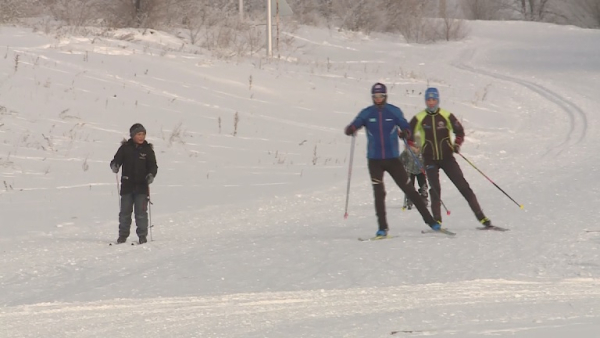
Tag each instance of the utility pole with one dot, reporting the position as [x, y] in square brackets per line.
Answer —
[277, 24]
[241, 7]
[269, 31]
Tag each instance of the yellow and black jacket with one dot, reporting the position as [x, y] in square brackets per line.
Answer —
[436, 133]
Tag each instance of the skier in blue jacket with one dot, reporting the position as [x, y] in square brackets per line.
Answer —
[382, 122]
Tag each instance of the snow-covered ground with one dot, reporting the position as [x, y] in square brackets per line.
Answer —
[249, 238]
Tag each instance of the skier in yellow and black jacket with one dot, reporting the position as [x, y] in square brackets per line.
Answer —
[436, 126]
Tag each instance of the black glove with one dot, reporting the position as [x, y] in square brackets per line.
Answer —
[114, 167]
[350, 130]
[404, 134]
[457, 143]
[149, 178]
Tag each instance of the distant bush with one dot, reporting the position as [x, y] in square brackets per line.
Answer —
[11, 10]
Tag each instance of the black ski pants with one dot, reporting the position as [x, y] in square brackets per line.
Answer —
[421, 180]
[454, 173]
[395, 168]
[129, 203]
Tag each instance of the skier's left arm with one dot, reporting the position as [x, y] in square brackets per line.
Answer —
[117, 161]
[404, 127]
[459, 133]
[357, 123]
[151, 166]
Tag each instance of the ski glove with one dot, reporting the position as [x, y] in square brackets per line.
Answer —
[404, 134]
[149, 178]
[114, 167]
[457, 143]
[350, 130]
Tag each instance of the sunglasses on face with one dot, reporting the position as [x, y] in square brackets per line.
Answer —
[379, 96]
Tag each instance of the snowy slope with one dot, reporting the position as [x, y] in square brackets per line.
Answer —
[249, 238]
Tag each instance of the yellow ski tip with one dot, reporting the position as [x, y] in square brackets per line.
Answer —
[522, 206]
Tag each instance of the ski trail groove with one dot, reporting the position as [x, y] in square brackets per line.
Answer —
[247, 313]
[578, 122]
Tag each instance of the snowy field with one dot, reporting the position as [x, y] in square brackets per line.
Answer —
[249, 238]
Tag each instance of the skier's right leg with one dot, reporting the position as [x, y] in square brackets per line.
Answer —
[422, 181]
[125, 215]
[435, 190]
[141, 214]
[401, 178]
[376, 172]
[454, 173]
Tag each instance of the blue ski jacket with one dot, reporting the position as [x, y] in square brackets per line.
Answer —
[382, 123]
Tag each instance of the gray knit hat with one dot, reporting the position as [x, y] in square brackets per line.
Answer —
[136, 128]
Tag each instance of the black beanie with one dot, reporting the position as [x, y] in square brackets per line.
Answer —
[136, 128]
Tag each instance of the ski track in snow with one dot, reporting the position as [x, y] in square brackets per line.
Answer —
[278, 313]
[578, 121]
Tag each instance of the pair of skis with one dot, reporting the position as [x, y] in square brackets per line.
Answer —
[132, 243]
[442, 231]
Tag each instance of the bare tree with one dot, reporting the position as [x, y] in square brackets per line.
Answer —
[312, 12]
[16, 9]
[592, 8]
[76, 13]
[355, 15]
[454, 29]
[481, 9]
[120, 13]
[451, 28]
[416, 21]
[539, 9]
[532, 10]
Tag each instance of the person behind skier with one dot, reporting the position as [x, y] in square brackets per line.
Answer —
[138, 160]
[435, 126]
[382, 122]
[413, 163]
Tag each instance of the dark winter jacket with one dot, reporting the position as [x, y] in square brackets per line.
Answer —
[137, 162]
[436, 134]
[381, 123]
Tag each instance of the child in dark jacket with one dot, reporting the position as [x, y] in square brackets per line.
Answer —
[138, 160]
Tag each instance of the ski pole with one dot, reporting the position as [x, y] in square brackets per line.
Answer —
[118, 191]
[150, 225]
[424, 173]
[484, 175]
[349, 174]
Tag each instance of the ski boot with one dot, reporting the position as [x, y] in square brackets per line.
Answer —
[381, 233]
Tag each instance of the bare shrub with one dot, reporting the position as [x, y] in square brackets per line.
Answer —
[236, 121]
[482, 9]
[531, 10]
[590, 16]
[120, 13]
[453, 29]
[413, 25]
[11, 10]
[177, 135]
[355, 15]
[75, 13]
